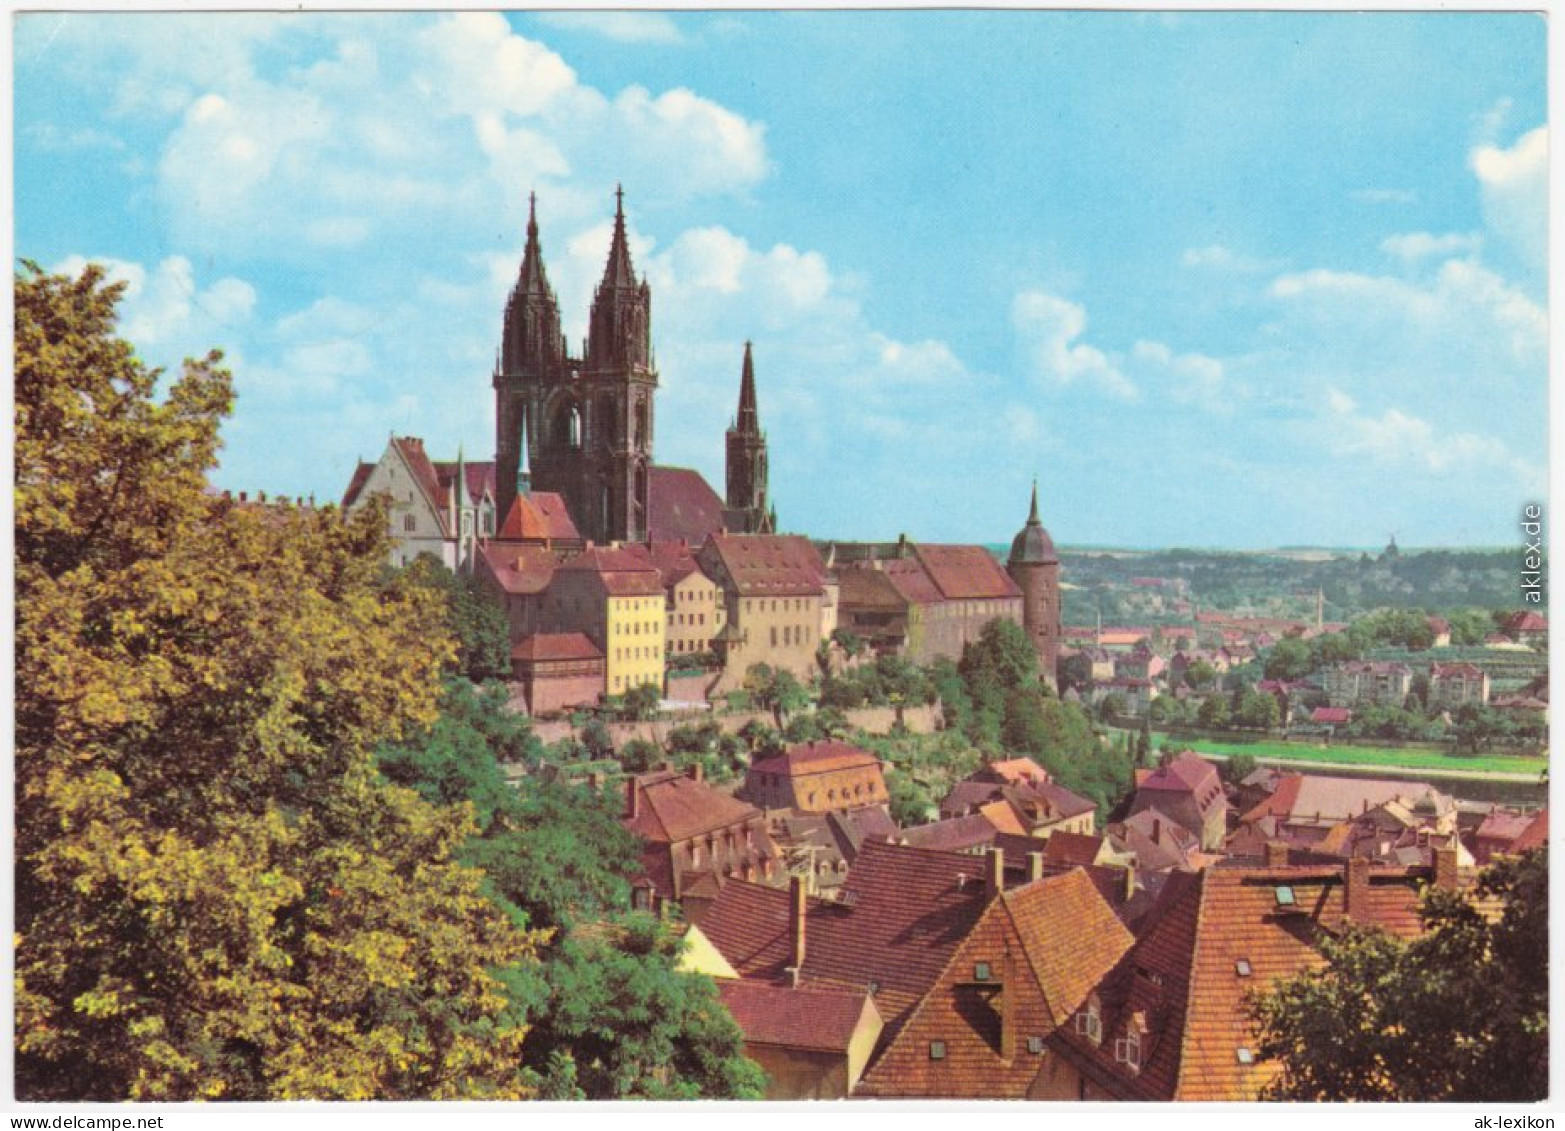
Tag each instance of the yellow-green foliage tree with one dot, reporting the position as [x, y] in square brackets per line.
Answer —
[216, 894]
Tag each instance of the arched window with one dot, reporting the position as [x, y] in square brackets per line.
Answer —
[567, 426]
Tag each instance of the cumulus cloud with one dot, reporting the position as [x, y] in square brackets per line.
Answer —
[166, 314]
[1189, 378]
[1513, 191]
[420, 125]
[1049, 329]
[1219, 258]
[1414, 247]
[1398, 437]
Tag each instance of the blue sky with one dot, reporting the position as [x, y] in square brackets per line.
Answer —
[1243, 279]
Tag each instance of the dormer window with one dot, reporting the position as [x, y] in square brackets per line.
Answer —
[1089, 1022]
[1035, 1045]
[1285, 896]
[937, 1050]
[1127, 1050]
[981, 972]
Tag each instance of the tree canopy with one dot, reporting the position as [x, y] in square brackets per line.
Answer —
[217, 894]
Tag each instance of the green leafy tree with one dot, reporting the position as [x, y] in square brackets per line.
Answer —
[216, 893]
[1259, 710]
[1458, 1014]
[472, 617]
[1237, 768]
[1003, 650]
[1213, 712]
[776, 690]
[1289, 659]
[1200, 675]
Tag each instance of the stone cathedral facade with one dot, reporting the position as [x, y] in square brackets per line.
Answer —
[582, 425]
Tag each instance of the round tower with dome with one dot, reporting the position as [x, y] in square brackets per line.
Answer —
[1035, 567]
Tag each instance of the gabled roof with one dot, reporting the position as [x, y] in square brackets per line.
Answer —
[681, 506]
[900, 913]
[1011, 771]
[1526, 621]
[770, 565]
[964, 573]
[478, 475]
[1322, 800]
[673, 807]
[556, 646]
[805, 1017]
[1072, 848]
[816, 758]
[954, 834]
[1185, 981]
[1535, 835]
[519, 570]
[1047, 943]
[624, 571]
[1187, 772]
[1455, 671]
[1331, 715]
[411, 449]
[539, 517]
[361, 475]
[674, 561]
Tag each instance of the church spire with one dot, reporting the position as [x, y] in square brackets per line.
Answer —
[619, 333]
[748, 422]
[1032, 516]
[619, 272]
[532, 340]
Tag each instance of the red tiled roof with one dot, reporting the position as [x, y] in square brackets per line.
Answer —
[479, 475]
[674, 561]
[816, 758]
[1455, 671]
[1047, 943]
[624, 571]
[423, 472]
[681, 506]
[965, 573]
[1534, 835]
[1014, 770]
[1071, 848]
[519, 570]
[909, 578]
[770, 565]
[901, 912]
[538, 517]
[674, 807]
[954, 834]
[1184, 977]
[1002, 817]
[803, 1017]
[556, 646]
[361, 475]
[1325, 800]
[1331, 715]
[1526, 622]
[1185, 773]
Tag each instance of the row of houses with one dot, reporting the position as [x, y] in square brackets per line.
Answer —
[1050, 962]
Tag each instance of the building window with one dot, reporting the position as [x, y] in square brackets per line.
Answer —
[1243, 968]
[937, 1050]
[1245, 1056]
[408, 523]
[1127, 1050]
[1089, 1022]
[1035, 1045]
[981, 972]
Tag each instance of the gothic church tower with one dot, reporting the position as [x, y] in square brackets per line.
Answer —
[586, 423]
[746, 512]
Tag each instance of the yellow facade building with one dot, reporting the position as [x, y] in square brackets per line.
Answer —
[615, 597]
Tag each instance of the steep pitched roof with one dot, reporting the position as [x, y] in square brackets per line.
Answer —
[674, 561]
[803, 1017]
[954, 834]
[519, 570]
[770, 565]
[1011, 771]
[539, 517]
[624, 571]
[965, 572]
[1184, 977]
[681, 506]
[1045, 945]
[673, 807]
[816, 758]
[1321, 799]
[899, 914]
[1072, 848]
[1535, 835]
[411, 449]
[478, 478]
[361, 475]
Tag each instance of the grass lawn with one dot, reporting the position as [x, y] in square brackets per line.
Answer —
[1413, 757]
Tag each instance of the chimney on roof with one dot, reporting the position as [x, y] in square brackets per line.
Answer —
[632, 799]
[1007, 1002]
[1276, 854]
[1035, 866]
[1355, 888]
[994, 878]
[694, 772]
[1445, 868]
[798, 905]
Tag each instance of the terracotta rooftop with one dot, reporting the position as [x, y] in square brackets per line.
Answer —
[538, 517]
[673, 807]
[624, 571]
[1047, 944]
[682, 506]
[1012, 771]
[964, 573]
[1217, 936]
[899, 914]
[1331, 715]
[770, 565]
[519, 570]
[1526, 622]
[1071, 848]
[674, 561]
[954, 834]
[804, 1017]
[816, 758]
[556, 646]
[361, 475]
[1185, 773]
[478, 478]
[1455, 671]
[1321, 800]
[1535, 835]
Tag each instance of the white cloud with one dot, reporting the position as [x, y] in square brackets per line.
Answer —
[1414, 247]
[1049, 328]
[1189, 378]
[165, 314]
[1513, 190]
[1220, 258]
[1397, 437]
[621, 27]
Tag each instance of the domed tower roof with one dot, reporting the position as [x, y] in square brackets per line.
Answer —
[1033, 544]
